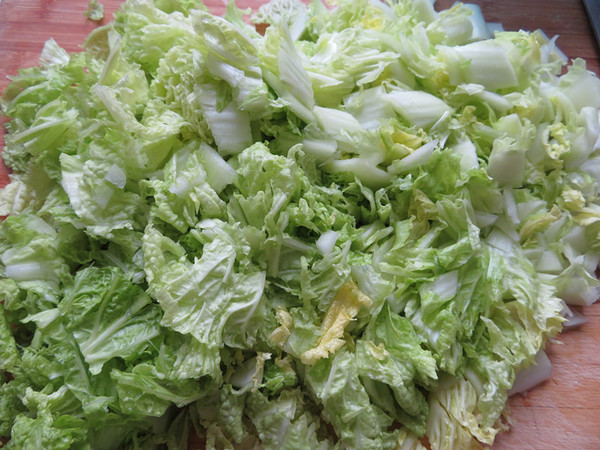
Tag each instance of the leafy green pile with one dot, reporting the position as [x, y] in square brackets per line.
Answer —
[352, 231]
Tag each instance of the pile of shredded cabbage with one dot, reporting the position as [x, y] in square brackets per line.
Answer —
[350, 232]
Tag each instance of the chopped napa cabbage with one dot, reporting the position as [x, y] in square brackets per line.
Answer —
[357, 230]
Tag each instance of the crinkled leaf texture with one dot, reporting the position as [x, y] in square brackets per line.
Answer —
[351, 232]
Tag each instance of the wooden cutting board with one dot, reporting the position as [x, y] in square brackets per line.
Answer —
[561, 413]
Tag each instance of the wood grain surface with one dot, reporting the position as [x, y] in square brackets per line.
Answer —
[561, 413]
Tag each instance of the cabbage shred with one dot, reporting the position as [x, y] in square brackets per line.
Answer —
[350, 232]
